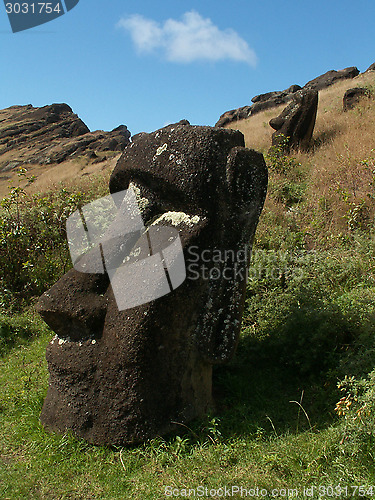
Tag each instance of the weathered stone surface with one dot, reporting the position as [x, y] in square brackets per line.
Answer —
[371, 68]
[270, 103]
[51, 134]
[331, 77]
[278, 93]
[297, 120]
[119, 377]
[233, 115]
[352, 97]
[269, 100]
[261, 103]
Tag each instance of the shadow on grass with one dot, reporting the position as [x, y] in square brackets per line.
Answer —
[286, 382]
[324, 138]
[260, 396]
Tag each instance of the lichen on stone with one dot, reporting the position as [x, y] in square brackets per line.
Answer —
[177, 218]
[161, 150]
[142, 201]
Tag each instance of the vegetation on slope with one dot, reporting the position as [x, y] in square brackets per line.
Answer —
[295, 407]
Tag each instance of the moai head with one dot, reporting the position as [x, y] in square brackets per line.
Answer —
[121, 374]
[297, 121]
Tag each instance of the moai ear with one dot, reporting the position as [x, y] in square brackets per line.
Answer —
[247, 179]
[219, 327]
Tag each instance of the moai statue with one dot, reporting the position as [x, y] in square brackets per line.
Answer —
[296, 121]
[138, 323]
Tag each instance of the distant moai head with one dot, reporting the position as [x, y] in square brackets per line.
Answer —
[294, 126]
[120, 376]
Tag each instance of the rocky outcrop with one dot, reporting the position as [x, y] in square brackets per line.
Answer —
[273, 99]
[371, 68]
[261, 103]
[121, 376]
[352, 97]
[297, 120]
[51, 134]
[273, 95]
[233, 116]
[269, 100]
[331, 77]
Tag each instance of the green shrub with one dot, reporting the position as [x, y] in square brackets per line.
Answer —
[279, 161]
[33, 247]
[356, 409]
[313, 312]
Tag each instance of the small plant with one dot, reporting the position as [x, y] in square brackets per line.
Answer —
[213, 430]
[357, 411]
[279, 161]
[357, 213]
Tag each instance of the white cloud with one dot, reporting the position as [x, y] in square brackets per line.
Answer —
[191, 39]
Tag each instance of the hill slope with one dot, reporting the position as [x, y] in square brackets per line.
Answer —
[54, 145]
[334, 182]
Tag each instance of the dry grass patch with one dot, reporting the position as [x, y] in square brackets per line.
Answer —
[338, 171]
[50, 177]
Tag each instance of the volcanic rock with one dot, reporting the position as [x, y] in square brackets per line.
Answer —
[50, 135]
[352, 97]
[331, 77]
[261, 103]
[233, 115]
[297, 120]
[123, 375]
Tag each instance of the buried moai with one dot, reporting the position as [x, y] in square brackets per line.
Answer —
[296, 121]
[121, 376]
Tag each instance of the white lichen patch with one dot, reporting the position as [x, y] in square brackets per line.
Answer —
[142, 201]
[178, 218]
[69, 341]
[161, 150]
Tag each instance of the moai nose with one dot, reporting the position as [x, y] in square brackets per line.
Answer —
[75, 306]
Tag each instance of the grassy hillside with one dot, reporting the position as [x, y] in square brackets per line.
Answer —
[329, 190]
[48, 178]
[295, 407]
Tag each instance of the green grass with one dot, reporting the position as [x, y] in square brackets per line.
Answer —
[275, 425]
[309, 322]
[249, 446]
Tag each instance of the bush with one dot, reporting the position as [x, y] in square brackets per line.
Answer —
[357, 412]
[33, 247]
[313, 312]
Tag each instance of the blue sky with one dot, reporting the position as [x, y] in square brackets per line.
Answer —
[148, 63]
